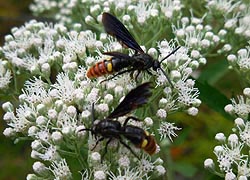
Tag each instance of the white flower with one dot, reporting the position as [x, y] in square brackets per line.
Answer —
[35, 92]
[243, 59]
[145, 165]
[142, 11]
[245, 134]
[239, 122]
[46, 154]
[161, 113]
[243, 168]
[230, 176]
[57, 137]
[5, 76]
[20, 123]
[148, 121]
[9, 132]
[246, 92]
[222, 6]
[124, 161]
[227, 156]
[40, 168]
[193, 111]
[103, 107]
[229, 108]
[65, 88]
[187, 95]
[243, 27]
[167, 129]
[126, 173]
[160, 169]
[168, 7]
[220, 137]
[66, 123]
[8, 107]
[241, 108]
[99, 175]
[209, 164]
[60, 169]
[32, 177]
[95, 156]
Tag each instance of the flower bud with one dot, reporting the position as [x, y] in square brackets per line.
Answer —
[193, 111]
[40, 168]
[57, 137]
[148, 121]
[99, 175]
[41, 108]
[8, 107]
[95, 156]
[209, 164]
[220, 137]
[41, 120]
[9, 132]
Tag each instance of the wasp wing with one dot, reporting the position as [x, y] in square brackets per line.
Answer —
[117, 54]
[134, 99]
[115, 28]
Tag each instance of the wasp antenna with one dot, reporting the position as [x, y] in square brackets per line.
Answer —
[171, 84]
[86, 129]
[170, 54]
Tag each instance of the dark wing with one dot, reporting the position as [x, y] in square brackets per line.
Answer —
[115, 28]
[118, 55]
[134, 99]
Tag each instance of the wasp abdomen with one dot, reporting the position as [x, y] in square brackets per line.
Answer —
[149, 144]
[107, 66]
[101, 68]
[140, 138]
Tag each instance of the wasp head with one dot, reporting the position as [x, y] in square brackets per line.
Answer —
[156, 65]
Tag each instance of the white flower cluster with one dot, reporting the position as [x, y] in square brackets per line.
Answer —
[233, 160]
[53, 115]
[55, 107]
[197, 36]
[38, 48]
[236, 15]
[67, 12]
[5, 74]
[241, 62]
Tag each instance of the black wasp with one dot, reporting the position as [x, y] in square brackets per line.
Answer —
[111, 129]
[119, 61]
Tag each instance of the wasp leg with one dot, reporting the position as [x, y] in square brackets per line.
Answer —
[97, 142]
[165, 74]
[149, 72]
[128, 118]
[137, 75]
[106, 148]
[117, 74]
[129, 148]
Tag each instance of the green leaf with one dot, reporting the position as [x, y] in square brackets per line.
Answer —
[214, 72]
[213, 98]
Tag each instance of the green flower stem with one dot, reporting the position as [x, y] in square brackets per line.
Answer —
[15, 84]
[169, 164]
[83, 163]
[68, 153]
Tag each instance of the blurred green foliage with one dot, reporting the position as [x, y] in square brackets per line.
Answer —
[190, 149]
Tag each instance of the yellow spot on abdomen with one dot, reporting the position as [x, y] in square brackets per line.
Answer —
[109, 67]
[144, 143]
